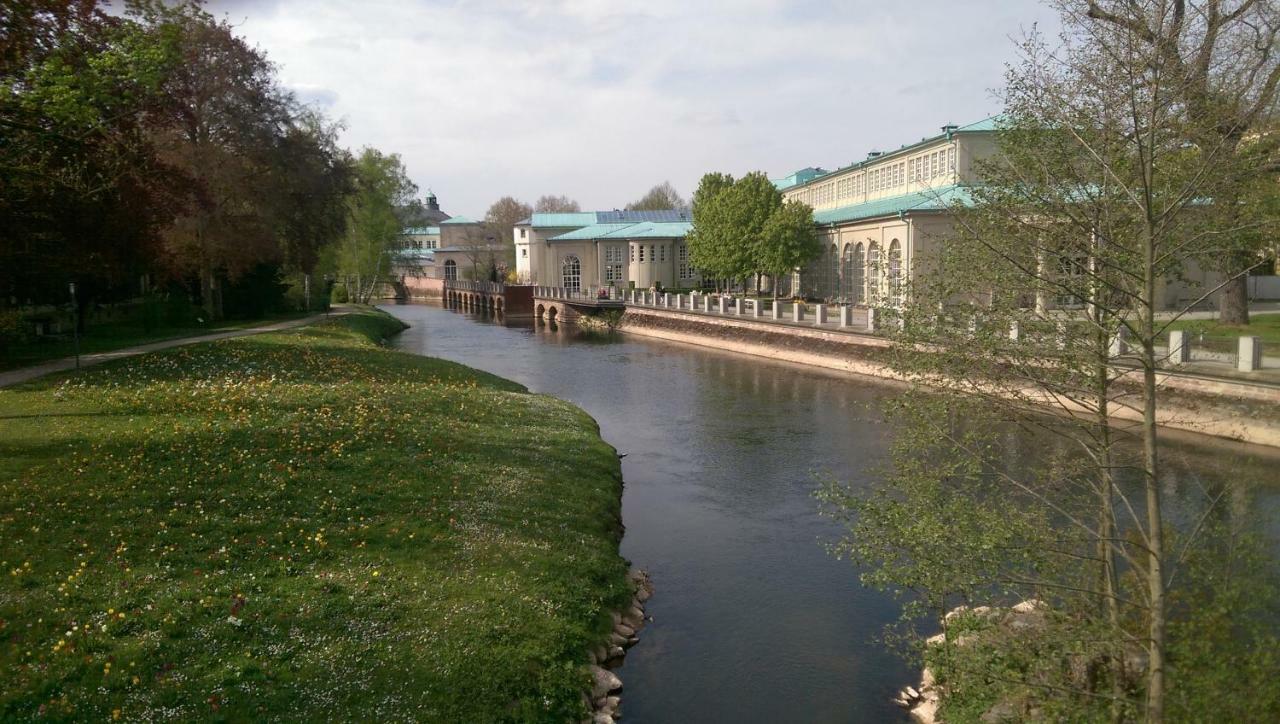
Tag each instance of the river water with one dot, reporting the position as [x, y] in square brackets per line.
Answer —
[752, 620]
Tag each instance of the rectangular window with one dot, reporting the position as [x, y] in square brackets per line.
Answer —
[642, 253]
[524, 251]
[633, 253]
[522, 233]
[652, 256]
[951, 159]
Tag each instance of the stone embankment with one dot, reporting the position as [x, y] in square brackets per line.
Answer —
[605, 698]
[1243, 411]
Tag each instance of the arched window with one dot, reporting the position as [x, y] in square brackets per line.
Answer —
[895, 272]
[873, 273]
[571, 273]
[832, 274]
[858, 277]
[846, 273]
[451, 270]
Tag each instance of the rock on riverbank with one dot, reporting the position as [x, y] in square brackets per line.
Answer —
[604, 700]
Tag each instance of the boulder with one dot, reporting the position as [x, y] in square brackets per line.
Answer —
[624, 630]
[604, 682]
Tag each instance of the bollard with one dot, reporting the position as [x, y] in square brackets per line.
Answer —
[776, 309]
[1250, 358]
[755, 308]
[846, 317]
[1120, 342]
[706, 303]
[740, 306]
[719, 305]
[820, 315]
[1179, 347]
[871, 319]
[666, 299]
[797, 312]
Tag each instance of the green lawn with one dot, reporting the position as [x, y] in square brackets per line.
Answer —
[1222, 336]
[111, 335]
[301, 526]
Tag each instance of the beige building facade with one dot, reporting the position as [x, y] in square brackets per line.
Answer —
[603, 249]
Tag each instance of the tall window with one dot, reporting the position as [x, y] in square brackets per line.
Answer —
[451, 270]
[895, 272]
[613, 264]
[571, 273]
[642, 253]
[859, 276]
[662, 252]
[873, 273]
[682, 255]
[846, 273]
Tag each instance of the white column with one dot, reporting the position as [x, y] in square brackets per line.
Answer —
[1250, 354]
[776, 311]
[1179, 347]
[846, 316]
[755, 308]
[797, 312]
[820, 315]
[706, 302]
[872, 321]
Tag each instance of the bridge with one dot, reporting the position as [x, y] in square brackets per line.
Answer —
[494, 298]
[566, 303]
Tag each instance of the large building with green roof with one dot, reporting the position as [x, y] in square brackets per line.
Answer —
[621, 249]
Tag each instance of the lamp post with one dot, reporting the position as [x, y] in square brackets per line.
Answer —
[75, 322]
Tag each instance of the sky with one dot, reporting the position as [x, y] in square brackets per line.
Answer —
[601, 100]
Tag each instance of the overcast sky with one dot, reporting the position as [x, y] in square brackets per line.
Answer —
[601, 100]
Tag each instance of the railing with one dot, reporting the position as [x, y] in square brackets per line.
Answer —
[584, 294]
[838, 317]
[474, 286]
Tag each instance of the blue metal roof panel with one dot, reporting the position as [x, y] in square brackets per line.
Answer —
[459, 220]
[662, 215]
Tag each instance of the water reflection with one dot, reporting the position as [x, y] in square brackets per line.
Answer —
[753, 621]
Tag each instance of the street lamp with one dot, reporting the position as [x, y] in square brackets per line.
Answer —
[75, 322]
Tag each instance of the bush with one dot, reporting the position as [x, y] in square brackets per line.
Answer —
[339, 294]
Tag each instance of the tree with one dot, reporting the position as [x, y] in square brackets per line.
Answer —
[85, 194]
[659, 198]
[1218, 63]
[227, 113]
[1096, 195]
[787, 241]
[382, 186]
[555, 204]
[500, 222]
[728, 223]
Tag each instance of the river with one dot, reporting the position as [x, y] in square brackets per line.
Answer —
[753, 621]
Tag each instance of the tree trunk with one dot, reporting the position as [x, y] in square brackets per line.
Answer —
[1233, 301]
[1151, 482]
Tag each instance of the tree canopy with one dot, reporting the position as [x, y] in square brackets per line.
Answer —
[549, 204]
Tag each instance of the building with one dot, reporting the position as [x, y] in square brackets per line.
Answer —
[469, 249]
[620, 249]
[879, 217]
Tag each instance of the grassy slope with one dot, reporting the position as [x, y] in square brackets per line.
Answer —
[300, 526]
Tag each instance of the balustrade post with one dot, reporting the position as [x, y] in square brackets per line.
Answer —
[1120, 342]
[755, 308]
[797, 312]
[819, 315]
[1250, 354]
[706, 303]
[872, 320]
[846, 316]
[1179, 347]
[775, 311]
[719, 305]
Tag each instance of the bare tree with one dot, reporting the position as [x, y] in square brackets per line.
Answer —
[659, 198]
[555, 204]
[500, 221]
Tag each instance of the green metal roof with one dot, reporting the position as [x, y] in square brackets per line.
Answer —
[562, 220]
[421, 231]
[460, 220]
[932, 200]
[986, 125]
[639, 230]
[595, 231]
[653, 230]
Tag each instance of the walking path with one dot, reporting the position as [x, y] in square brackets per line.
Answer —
[13, 377]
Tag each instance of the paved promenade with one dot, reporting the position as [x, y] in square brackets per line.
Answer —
[18, 376]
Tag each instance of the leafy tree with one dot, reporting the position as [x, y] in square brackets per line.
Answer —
[226, 114]
[1094, 197]
[1220, 69]
[555, 204]
[381, 186]
[84, 193]
[787, 241]
[659, 198]
[729, 218]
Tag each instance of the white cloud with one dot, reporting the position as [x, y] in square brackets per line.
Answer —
[600, 101]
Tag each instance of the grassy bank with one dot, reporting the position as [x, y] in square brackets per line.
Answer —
[300, 526]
